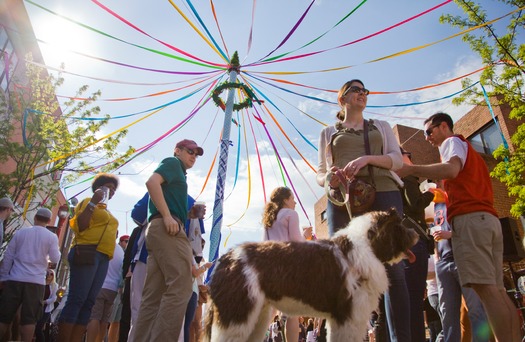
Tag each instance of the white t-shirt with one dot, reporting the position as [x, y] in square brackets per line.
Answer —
[114, 275]
[453, 147]
[432, 287]
[27, 255]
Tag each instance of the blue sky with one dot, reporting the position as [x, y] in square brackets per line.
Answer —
[272, 21]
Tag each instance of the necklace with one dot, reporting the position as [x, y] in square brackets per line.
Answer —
[347, 126]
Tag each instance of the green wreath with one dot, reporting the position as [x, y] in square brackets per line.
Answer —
[248, 101]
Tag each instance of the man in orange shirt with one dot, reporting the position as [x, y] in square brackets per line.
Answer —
[476, 231]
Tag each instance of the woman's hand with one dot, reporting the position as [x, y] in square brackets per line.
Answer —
[352, 168]
[99, 194]
[334, 181]
[442, 234]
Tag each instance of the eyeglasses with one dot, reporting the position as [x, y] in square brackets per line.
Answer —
[430, 130]
[357, 90]
[190, 152]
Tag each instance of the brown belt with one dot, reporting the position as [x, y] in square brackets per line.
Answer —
[158, 215]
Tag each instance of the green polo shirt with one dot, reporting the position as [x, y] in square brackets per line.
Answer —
[174, 188]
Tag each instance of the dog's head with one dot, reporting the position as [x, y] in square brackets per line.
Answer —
[390, 240]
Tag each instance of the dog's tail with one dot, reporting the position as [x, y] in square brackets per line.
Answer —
[208, 321]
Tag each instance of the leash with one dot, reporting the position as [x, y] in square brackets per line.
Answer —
[344, 187]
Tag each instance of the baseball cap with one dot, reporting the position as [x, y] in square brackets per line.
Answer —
[44, 212]
[6, 202]
[124, 237]
[190, 144]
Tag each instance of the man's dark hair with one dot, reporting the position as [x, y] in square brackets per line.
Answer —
[103, 178]
[440, 117]
[42, 218]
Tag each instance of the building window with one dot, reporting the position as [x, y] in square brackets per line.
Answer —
[7, 54]
[487, 140]
[323, 215]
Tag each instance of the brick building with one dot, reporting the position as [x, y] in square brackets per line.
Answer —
[17, 39]
[480, 129]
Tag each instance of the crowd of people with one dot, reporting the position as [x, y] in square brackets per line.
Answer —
[470, 244]
[149, 286]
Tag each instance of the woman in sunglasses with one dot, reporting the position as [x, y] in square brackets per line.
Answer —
[342, 149]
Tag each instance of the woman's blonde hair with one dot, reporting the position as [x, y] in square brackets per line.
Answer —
[341, 114]
[54, 275]
[277, 198]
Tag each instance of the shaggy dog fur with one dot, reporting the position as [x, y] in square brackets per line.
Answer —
[339, 279]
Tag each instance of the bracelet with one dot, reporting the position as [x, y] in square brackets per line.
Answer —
[91, 206]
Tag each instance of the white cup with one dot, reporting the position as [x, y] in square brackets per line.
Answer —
[199, 209]
[103, 203]
[435, 229]
[430, 186]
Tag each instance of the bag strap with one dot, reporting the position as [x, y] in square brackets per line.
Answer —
[101, 236]
[421, 232]
[344, 185]
[367, 151]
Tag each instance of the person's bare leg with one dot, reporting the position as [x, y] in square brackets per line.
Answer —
[195, 327]
[27, 331]
[113, 332]
[464, 322]
[77, 333]
[500, 311]
[292, 329]
[102, 331]
[64, 331]
[92, 330]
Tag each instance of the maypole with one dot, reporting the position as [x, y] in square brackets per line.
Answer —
[215, 235]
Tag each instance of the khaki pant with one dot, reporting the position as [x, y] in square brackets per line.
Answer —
[168, 285]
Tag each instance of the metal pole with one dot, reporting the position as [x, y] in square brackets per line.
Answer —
[215, 234]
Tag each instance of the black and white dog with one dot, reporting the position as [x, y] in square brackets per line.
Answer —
[339, 279]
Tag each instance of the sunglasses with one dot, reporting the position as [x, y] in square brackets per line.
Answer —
[126, 241]
[190, 152]
[428, 132]
[357, 90]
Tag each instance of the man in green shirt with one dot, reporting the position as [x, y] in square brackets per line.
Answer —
[168, 285]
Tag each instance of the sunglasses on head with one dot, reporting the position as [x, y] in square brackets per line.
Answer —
[357, 90]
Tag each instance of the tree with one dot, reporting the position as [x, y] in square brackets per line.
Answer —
[499, 48]
[39, 140]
